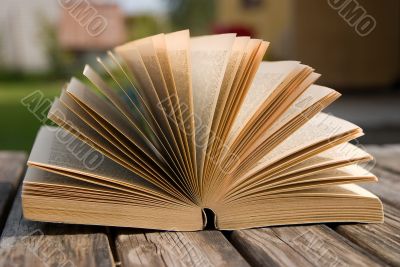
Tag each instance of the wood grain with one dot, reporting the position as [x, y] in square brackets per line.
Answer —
[387, 169]
[27, 243]
[12, 166]
[205, 248]
[317, 245]
[263, 247]
[386, 156]
[382, 240]
[387, 188]
[310, 245]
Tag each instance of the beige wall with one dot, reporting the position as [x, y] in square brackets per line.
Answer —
[324, 40]
[314, 33]
[21, 33]
[271, 20]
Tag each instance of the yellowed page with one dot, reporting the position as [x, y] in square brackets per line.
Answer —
[321, 132]
[68, 120]
[272, 109]
[112, 116]
[152, 50]
[275, 104]
[57, 182]
[74, 124]
[82, 93]
[322, 127]
[337, 203]
[150, 94]
[42, 180]
[174, 111]
[251, 59]
[251, 117]
[87, 207]
[341, 175]
[178, 49]
[75, 156]
[346, 173]
[268, 77]
[54, 147]
[313, 100]
[341, 155]
[114, 137]
[116, 120]
[115, 71]
[209, 59]
[235, 59]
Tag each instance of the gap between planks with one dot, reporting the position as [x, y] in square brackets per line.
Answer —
[28, 243]
[12, 167]
[154, 248]
[344, 244]
[308, 245]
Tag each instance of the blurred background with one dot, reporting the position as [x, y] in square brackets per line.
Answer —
[355, 45]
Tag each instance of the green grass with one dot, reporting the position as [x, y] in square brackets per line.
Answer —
[18, 126]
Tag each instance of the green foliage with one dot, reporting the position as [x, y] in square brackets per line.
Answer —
[62, 62]
[18, 125]
[145, 25]
[196, 15]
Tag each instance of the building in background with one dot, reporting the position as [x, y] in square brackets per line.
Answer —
[312, 31]
[269, 20]
[91, 27]
[327, 39]
[321, 35]
[21, 33]
[35, 33]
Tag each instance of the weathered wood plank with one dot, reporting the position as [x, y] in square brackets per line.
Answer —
[276, 246]
[392, 216]
[309, 245]
[386, 156]
[263, 247]
[12, 166]
[382, 240]
[27, 243]
[205, 248]
[387, 169]
[387, 188]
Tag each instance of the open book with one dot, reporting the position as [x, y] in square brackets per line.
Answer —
[178, 133]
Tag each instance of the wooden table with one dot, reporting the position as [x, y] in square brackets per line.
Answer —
[26, 243]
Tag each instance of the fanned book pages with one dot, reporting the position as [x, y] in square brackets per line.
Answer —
[176, 132]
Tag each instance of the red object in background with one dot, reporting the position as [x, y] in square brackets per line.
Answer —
[240, 30]
[91, 27]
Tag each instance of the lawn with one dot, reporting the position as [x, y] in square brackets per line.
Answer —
[18, 126]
